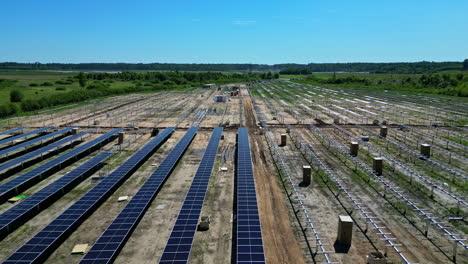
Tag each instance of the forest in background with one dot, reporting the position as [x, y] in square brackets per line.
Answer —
[444, 83]
[397, 67]
[27, 91]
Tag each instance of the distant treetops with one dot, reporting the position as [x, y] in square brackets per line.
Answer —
[296, 71]
[392, 67]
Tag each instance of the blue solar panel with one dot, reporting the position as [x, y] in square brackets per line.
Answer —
[37, 249]
[7, 140]
[179, 245]
[249, 243]
[108, 246]
[19, 161]
[12, 130]
[28, 208]
[36, 140]
[26, 180]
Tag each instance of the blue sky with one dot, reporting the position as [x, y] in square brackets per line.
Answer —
[224, 31]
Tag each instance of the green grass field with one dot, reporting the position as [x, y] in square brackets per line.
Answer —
[42, 90]
[290, 76]
[24, 78]
[444, 83]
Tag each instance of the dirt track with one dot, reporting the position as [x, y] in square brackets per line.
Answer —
[282, 237]
[280, 243]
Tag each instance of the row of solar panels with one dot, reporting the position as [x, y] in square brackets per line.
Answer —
[113, 239]
[180, 241]
[34, 141]
[28, 179]
[11, 139]
[249, 243]
[109, 244]
[12, 130]
[38, 248]
[26, 209]
[30, 155]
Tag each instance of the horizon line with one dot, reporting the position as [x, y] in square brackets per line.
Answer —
[238, 63]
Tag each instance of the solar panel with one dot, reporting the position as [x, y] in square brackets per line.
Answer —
[38, 248]
[34, 204]
[19, 161]
[10, 139]
[108, 246]
[180, 241]
[36, 140]
[12, 130]
[26, 180]
[249, 243]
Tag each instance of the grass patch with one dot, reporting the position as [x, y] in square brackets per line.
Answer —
[45, 90]
[448, 83]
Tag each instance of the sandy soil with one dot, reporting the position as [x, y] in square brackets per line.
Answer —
[282, 238]
[280, 244]
[214, 246]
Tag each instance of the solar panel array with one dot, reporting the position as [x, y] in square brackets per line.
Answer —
[249, 243]
[108, 246]
[37, 131]
[178, 246]
[19, 160]
[38, 248]
[28, 208]
[12, 130]
[36, 140]
[25, 180]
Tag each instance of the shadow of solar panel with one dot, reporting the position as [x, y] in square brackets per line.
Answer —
[108, 246]
[37, 131]
[26, 209]
[26, 180]
[178, 246]
[249, 243]
[38, 248]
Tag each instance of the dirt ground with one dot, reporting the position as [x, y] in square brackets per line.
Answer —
[34, 225]
[280, 244]
[395, 224]
[282, 237]
[214, 245]
[420, 249]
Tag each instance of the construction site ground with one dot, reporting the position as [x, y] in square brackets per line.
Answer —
[275, 109]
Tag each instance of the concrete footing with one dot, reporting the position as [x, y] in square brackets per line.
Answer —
[306, 175]
[121, 136]
[345, 230]
[383, 131]
[354, 148]
[283, 140]
[377, 165]
[426, 150]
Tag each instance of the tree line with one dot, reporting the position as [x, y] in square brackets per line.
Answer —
[453, 83]
[102, 84]
[296, 71]
[397, 67]
[178, 78]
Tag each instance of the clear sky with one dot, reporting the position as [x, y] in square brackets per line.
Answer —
[240, 31]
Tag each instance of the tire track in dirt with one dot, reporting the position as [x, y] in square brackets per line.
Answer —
[280, 243]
